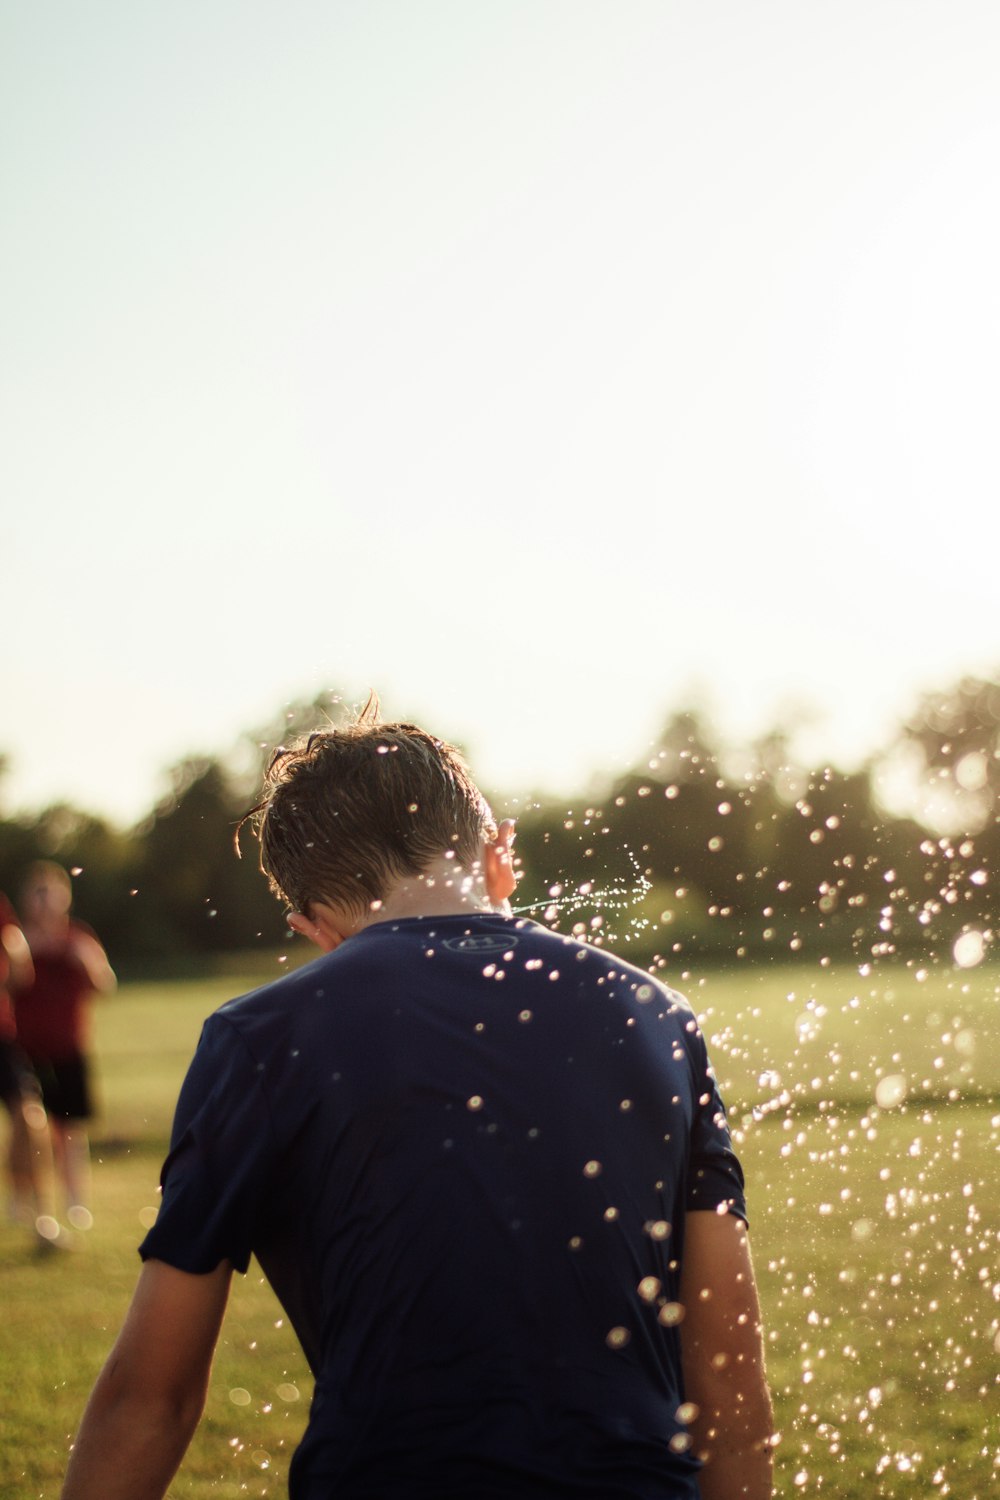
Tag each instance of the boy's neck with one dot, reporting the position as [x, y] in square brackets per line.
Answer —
[444, 889]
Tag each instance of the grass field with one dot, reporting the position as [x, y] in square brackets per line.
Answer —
[867, 1108]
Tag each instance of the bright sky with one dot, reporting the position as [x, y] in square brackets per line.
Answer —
[539, 363]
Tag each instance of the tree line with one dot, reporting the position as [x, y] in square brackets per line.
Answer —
[701, 851]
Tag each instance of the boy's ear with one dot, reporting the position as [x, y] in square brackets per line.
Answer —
[498, 863]
[322, 928]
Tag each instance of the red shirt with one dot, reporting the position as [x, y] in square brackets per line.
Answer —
[53, 1013]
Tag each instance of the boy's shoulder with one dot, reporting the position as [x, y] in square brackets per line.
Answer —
[275, 995]
[490, 943]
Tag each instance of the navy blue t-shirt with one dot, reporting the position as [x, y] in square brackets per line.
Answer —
[462, 1149]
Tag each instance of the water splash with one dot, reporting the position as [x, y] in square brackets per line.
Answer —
[620, 899]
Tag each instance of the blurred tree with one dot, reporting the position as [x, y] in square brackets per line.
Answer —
[100, 858]
[19, 845]
[103, 863]
[194, 894]
[944, 767]
[943, 772]
[326, 710]
[699, 850]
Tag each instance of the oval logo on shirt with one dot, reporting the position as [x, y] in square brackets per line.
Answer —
[480, 942]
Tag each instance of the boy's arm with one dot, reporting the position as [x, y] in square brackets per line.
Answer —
[92, 956]
[149, 1397]
[722, 1350]
[15, 946]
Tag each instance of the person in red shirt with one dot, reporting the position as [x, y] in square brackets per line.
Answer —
[29, 1159]
[53, 1015]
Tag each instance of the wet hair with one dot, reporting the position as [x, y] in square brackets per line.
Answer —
[347, 811]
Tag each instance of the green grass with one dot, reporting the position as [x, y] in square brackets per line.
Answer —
[874, 1233]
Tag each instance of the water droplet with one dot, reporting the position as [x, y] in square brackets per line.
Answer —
[965, 1042]
[969, 949]
[670, 1314]
[890, 1091]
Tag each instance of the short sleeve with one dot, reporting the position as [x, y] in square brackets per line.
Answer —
[216, 1178]
[715, 1177]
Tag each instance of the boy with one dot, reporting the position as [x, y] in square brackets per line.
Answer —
[53, 1022]
[484, 1167]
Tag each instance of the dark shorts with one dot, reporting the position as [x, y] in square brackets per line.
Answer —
[65, 1087]
[17, 1081]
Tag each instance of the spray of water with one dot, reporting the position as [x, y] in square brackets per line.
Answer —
[622, 901]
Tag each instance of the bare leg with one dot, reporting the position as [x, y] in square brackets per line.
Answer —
[31, 1166]
[76, 1167]
[19, 1166]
